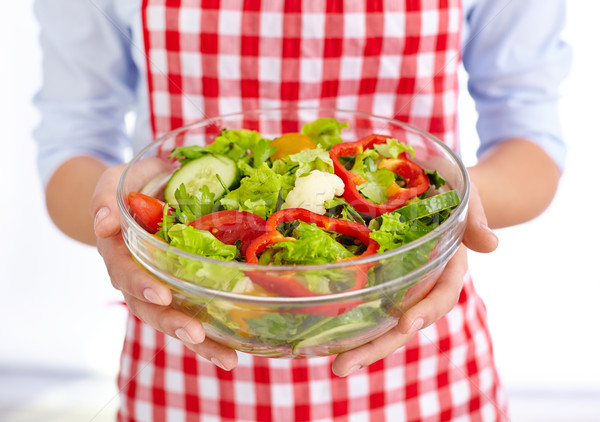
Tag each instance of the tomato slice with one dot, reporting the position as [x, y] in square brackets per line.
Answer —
[291, 143]
[231, 225]
[147, 209]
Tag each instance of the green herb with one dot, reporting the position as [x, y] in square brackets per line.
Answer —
[191, 207]
[435, 178]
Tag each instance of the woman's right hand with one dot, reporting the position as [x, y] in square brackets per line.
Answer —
[147, 299]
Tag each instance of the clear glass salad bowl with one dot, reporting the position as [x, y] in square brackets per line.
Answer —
[268, 325]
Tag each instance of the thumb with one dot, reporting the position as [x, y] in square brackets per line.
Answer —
[103, 205]
[478, 236]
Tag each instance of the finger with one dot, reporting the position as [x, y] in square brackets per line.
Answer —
[351, 361]
[103, 205]
[167, 320]
[185, 328]
[128, 276]
[478, 236]
[220, 355]
[440, 300]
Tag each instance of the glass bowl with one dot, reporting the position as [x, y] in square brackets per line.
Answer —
[295, 326]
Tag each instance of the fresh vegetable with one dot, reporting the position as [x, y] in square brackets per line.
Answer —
[202, 242]
[429, 206]
[313, 190]
[304, 162]
[414, 181]
[148, 209]
[290, 143]
[273, 236]
[232, 226]
[216, 173]
[259, 191]
[191, 207]
[239, 145]
[291, 286]
[325, 132]
[299, 199]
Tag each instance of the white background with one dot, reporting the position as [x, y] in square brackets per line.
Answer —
[61, 331]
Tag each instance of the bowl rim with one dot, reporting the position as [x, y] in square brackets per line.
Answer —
[131, 224]
[188, 288]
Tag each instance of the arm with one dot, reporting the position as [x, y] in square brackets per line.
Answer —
[68, 196]
[89, 85]
[516, 61]
[514, 73]
[516, 180]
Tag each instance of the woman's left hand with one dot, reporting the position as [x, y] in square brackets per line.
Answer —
[437, 303]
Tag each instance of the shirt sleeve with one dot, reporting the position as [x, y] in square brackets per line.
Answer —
[516, 61]
[88, 83]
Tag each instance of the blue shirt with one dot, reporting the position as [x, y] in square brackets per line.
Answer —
[94, 73]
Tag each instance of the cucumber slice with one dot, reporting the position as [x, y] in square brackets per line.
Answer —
[429, 206]
[200, 172]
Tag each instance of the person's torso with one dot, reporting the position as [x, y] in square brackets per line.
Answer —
[394, 59]
[397, 59]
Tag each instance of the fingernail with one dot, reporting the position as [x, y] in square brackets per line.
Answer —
[495, 241]
[184, 336]
[352, 370]
[485, 227]
[101, 215]
[218, 363]
[153, 297]
[416, 325]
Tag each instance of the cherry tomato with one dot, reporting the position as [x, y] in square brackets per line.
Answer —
[147, 209]
[231, 225]
[291, 143]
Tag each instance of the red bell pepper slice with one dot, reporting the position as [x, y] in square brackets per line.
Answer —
[288, 285]
[349, 228]
[231, 225]
[417, 181]
[147, 209]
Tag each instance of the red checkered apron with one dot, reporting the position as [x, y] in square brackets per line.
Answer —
[388, 57]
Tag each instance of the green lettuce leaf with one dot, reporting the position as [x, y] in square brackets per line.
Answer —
[259, 192]
[313, 246]
[281, 328]
[237, 144]
[191, 207]
[305, 329]
[304, 162]
[364, 163]
[375, 188]
[200, 242]
[325, 132]
[391, 232]
[392, 148]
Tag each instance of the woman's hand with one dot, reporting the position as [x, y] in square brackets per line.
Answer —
[146, 298]
[437, 303]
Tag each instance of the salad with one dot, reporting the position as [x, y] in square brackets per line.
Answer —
[304, 198]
